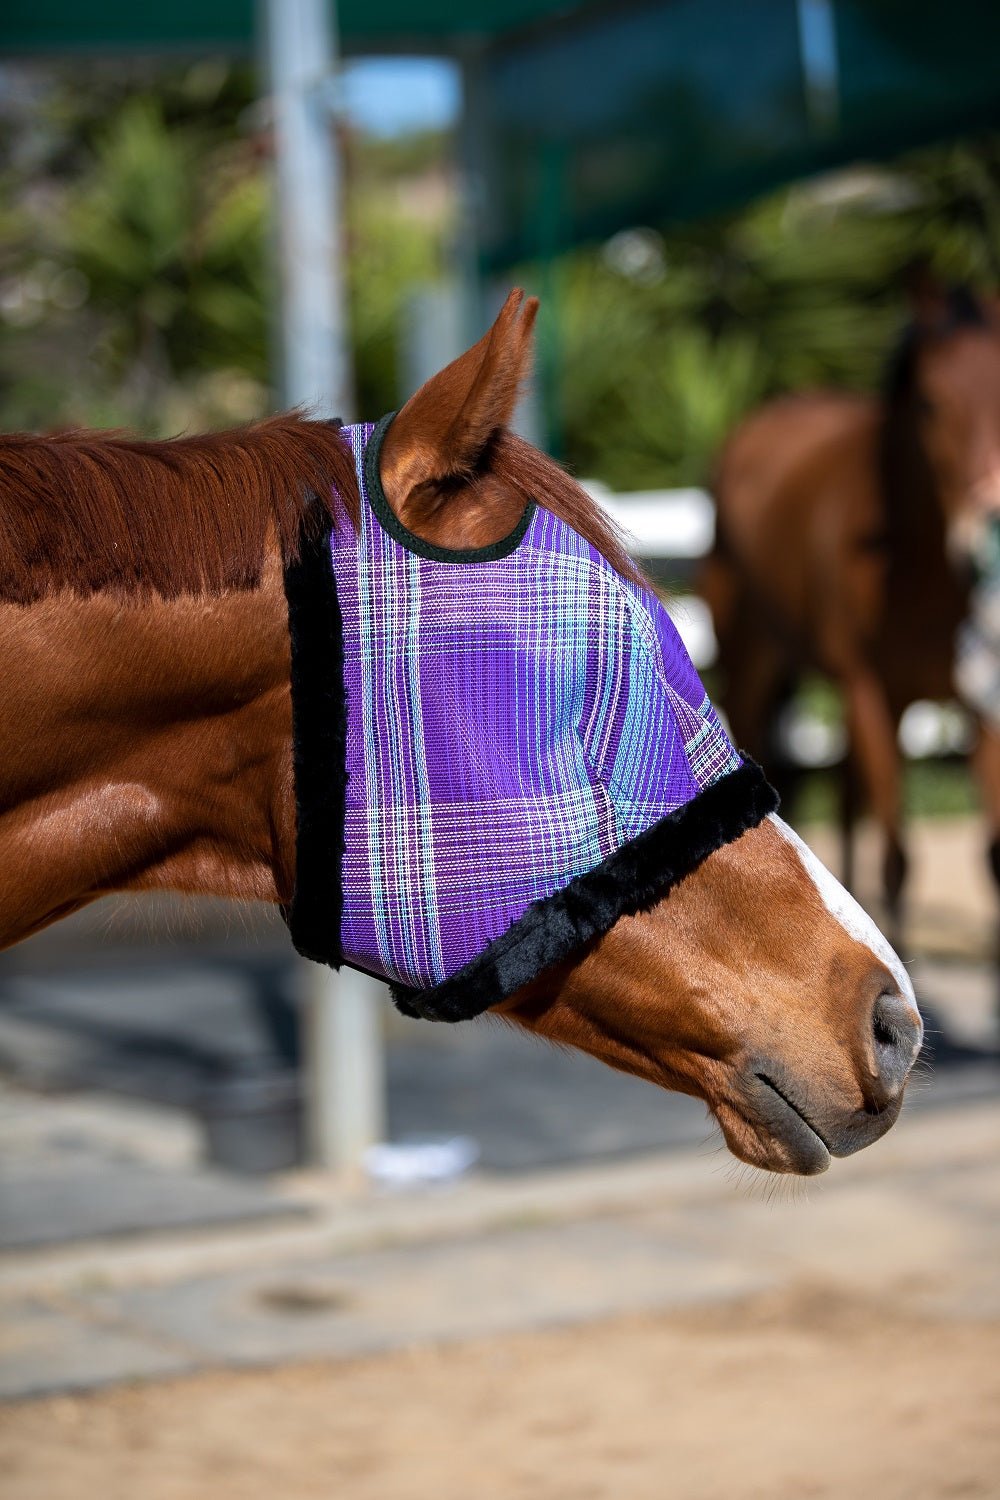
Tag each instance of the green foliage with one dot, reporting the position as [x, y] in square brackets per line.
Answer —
[139, 260]
[666, 338]
[172, 252]
[392, 251]
[648, 393]
[134, 286]
[133, 251]
[931, 789]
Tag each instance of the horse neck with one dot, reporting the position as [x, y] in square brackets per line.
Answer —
[914, 515]
[145, 744]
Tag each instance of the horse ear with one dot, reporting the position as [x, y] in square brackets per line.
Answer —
[443, 429]
[927, 295]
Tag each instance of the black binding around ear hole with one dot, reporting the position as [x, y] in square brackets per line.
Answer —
[390, 522]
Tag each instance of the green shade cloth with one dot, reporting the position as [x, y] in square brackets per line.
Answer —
[428, 25]
[674, 110]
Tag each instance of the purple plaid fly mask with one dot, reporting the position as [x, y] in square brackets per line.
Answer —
[498, 753]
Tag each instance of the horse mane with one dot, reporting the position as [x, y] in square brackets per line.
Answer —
[95, 511]
[540, 478]
[961, 309]
[908, 484]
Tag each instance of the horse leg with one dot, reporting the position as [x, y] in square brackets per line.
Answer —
[848, 810]
[753, 661]
[872, 731]
[986, 766]
[765, 684]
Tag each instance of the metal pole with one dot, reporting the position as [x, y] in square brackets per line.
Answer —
[344, 1067]
[345, 1071]
[301, 60]
[820, 64]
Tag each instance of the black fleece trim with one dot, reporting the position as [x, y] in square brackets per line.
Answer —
[631, 879]
[319, 736]
[390, 522]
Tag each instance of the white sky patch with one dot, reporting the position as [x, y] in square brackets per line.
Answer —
[842, 905]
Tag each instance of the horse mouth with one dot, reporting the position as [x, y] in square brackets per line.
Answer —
[765, 1124]
[767, 1127]
[788, 1122]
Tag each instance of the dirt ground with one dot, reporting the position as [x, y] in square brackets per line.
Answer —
[793, 1395]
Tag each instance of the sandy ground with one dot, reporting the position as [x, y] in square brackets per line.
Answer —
[792, 1395]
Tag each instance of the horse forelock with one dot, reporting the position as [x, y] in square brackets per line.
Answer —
[91, 512]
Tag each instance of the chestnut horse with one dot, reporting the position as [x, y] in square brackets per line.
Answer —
[146, 735]
[842, 530]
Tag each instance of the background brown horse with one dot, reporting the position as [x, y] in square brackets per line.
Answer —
[145, 743]
[840, 546]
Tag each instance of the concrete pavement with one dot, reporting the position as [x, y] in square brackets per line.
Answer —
[919, 1214]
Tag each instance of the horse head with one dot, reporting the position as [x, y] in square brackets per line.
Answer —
[147, 647]
[756, 982]
[944, 393]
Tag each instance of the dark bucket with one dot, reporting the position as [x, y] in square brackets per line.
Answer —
[254, 1122]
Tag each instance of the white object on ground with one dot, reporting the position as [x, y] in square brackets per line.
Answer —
[420, 1161]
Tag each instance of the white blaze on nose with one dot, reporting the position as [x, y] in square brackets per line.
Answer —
[842, 905]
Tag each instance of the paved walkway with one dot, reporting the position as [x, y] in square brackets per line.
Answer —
[78, 1163]
[918, 1213]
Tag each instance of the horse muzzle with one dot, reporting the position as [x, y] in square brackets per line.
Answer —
[805, 1135]
[786, 1123]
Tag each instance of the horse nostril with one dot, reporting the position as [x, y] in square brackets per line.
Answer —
[896, 1034]
[886, 1034]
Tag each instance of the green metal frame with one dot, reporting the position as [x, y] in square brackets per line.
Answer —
[33, 26]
